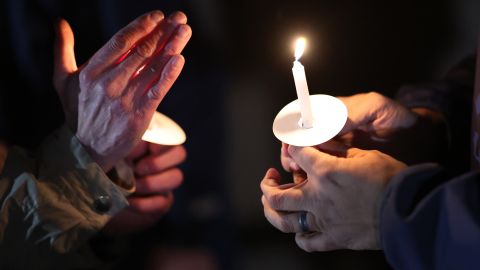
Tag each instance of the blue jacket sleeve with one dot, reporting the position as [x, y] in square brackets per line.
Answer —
[430, 220]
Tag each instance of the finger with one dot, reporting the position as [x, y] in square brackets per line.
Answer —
[287, 222]
[158, 149]
[149, 102]
[158, 204]
[282, 198]
[157, 163]
[120, 45]
[159, 183]
[299, 177]
[355, 116]
[308, 158]
[287, 163]
[178, 17]
[148, 74]
[272, 177]
[64, 55]
[138, 151]
[168, 38]
[315, 242]
[179, 40]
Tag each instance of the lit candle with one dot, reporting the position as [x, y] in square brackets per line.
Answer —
[301, 85]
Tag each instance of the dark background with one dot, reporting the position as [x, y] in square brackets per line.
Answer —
[237, 77]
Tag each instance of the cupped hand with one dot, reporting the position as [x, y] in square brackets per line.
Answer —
[341, 195]
[110, 100]
[157, 175]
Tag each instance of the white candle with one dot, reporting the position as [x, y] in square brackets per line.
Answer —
[301, 85]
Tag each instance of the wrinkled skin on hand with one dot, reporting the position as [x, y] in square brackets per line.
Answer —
[157, 175]
[341, 195]
[109, 101]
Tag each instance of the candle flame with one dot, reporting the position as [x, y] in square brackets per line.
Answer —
[299, 47]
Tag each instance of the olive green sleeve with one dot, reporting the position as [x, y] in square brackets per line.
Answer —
[56, 199]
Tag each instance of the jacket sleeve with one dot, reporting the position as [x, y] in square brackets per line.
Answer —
[430, 220]
[452, 95]
[57, 198]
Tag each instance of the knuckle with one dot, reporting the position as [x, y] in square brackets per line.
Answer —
[276, 200]
[168, 77]
[120, 41]
[143, 25]
[146, 48]
[156, 92]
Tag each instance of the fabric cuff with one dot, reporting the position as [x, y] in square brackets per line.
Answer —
[85, 184]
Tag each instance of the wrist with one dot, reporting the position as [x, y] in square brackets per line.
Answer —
[102, 160]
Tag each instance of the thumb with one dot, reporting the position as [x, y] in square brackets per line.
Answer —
[308, 157]
[64, 61]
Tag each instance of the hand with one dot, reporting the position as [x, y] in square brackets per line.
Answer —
[156, 178]
[376, 114]
[377, 122]
[110, 100]
[341, 196]
[290, 165]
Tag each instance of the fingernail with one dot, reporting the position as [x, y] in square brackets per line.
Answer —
[157, 15]
[178, 16]
[183, 30]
